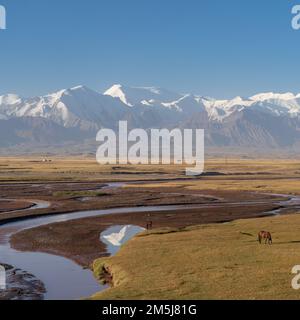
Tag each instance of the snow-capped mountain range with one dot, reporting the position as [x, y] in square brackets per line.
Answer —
[264, 120]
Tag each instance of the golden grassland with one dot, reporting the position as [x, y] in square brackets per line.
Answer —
[201, 262]
[80, 168]
[270, 185]
[76, 169]
[271, 176]
[221, 261]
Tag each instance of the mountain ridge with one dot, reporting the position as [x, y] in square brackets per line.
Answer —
[265, 120]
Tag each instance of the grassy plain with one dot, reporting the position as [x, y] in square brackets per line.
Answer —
[217, 261]
[180, 261]
[207, 262]
[86, 169]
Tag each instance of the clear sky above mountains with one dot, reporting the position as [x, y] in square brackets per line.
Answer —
[210, 47]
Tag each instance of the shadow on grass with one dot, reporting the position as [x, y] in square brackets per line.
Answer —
[275, 243]
[287, 242]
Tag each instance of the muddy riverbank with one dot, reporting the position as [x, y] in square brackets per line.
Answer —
[78, 239]
[21, 285]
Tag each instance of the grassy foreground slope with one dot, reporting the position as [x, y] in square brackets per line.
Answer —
[221, 261]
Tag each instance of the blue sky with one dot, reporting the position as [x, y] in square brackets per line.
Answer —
[211, 47]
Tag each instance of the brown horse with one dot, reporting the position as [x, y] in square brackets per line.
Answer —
[264, 235]
[149, 225]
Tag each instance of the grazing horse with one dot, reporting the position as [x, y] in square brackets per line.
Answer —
[149, 222]
[149, 225]
[264, 235]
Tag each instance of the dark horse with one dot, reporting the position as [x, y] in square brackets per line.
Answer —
[149, 225]
[149, 222]
[266, 236]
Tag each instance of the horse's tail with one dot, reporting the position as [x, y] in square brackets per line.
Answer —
[259, 238]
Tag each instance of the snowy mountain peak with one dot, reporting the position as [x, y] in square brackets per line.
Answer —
[82, 106]
[9, 99]
[80, 87]
[266, 119]
[132, 96]
[78, 90]
[274, 96]
[116, 91]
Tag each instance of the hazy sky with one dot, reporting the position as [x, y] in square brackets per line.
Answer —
[210, 47]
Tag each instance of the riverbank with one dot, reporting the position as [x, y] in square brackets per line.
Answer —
[78, 239]
[21, 285]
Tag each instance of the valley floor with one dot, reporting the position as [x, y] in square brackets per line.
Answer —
[187, 255]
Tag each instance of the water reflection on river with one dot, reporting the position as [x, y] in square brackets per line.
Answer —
[114, 237]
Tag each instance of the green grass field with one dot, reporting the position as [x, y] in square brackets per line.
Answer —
[75, 194]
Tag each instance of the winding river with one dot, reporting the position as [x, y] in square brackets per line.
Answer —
[63, 278]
